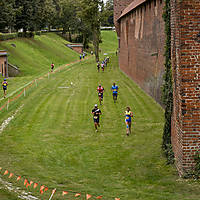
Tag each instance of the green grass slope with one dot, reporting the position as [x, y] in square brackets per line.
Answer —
[52, 140]
[109, 41]
[34, 57]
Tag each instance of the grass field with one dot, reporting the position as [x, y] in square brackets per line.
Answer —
[52, 140]
[34, 57]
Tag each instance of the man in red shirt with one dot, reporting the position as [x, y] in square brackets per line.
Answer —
[100, 91]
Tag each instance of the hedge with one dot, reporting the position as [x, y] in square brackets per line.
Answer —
[8, 36]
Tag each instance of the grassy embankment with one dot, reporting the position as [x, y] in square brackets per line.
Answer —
[52, 138]
[34, 57]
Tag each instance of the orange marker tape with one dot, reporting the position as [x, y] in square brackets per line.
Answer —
[64, 193]
[11, 174]
[6, 172]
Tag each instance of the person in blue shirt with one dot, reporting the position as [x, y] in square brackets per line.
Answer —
[128, 115]
[4, 85]
[80, 57]
[115, 91]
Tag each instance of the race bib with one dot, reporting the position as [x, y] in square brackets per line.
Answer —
[95, 117]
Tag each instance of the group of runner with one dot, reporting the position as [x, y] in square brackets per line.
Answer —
[97, 112]
[103, 64]
[82, 56]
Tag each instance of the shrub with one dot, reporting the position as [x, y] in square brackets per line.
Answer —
[8, 36]
[26, 34]
[38, 33]
[196, 170]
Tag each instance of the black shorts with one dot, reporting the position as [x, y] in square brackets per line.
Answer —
[114, 94]
[96, 120]
[101, 95]
[4, 88]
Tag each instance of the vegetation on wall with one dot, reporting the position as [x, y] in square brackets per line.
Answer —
[167, 95]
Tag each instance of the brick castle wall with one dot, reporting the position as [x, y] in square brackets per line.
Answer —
[141, 46]
[185, 25]
[119, 6]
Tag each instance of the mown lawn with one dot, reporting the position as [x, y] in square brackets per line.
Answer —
[34, 57]
[52, 139]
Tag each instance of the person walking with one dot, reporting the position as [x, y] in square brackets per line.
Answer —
[115, 90]
[128, 115]
[100, 91]
[4, 85]
[96, 115]
[52, 67]
[98, 66]
[83, 55]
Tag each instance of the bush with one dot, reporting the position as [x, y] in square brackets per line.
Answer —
[20, 34]
[29, 34]
[26, 34]
[196, 170]
[38, 33]
[8, 36]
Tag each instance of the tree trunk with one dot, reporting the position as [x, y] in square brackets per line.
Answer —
[70, 36]
[96, 44]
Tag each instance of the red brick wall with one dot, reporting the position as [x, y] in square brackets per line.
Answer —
[78, 49]
[185, 24]
[119, 6]
[142, 40]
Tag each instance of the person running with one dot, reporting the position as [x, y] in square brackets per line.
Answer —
[98, 66]
[96, 113]
[80, 57]
[128, 115]
[4, 85]
[102, 66]
[100, 90]
[115, 92]
[52, 67]
[83, 55]
[105, 62]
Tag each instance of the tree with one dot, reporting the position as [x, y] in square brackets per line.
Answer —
[107, 14]
[67, 17]
[90, 14]
[8, 14]
[24, 17]
[49, 13]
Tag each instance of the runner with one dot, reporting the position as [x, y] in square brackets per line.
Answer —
[98, 66]
[52, 67]
[108, 59]
[115, 91]
[80, 57]
[100, 90]
[105, 62]
[4, 85]
[102, 66]
[83, 55]
[96, 113]
[128, 115]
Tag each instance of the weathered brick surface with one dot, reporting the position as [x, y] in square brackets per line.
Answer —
[185, 24]
[119, 6]
[141, 46]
